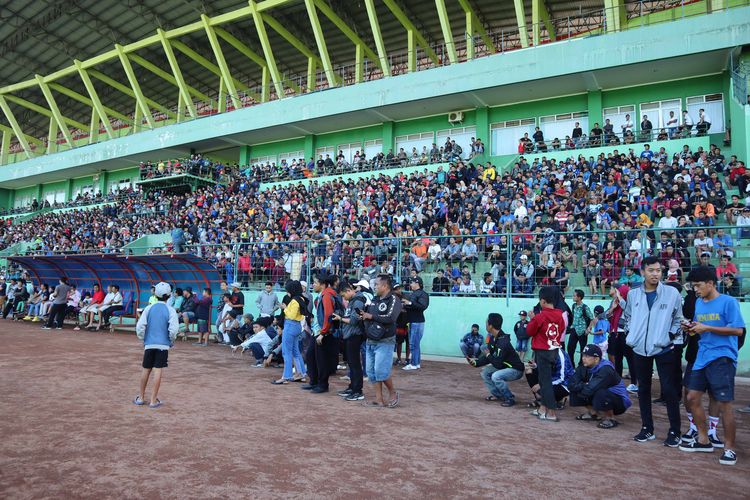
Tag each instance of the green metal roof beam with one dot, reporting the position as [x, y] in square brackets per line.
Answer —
[523, 32]
[408, 25]
[445, 25]
[9, 130]
[375, 27]
[139, 98]
[345, 29]
[166, 76]
[539, 16]
[260, 27]
[241, 47]
[56, 111]
[320, 40]
[226, 77]
[14, 125]
[42, 110]
[615, 14]
[474, 25]
[96, 104]
[129, 92]
[52, 136]
[85, 100]
[169, 52]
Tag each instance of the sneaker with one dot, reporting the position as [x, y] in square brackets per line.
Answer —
[58, 328]
[508, 402]
[341, 367]
[644, 436]
[345, 378]
[746, 409]
[689, 437]
[715, 441]
[409, 367]
[673, 440]
[344, 393]
[308, 387]
[357, 396]
[632, 388]
[695, 446]
[46, 328]
[259, 364]
[728, 458]
[26, 318]
[318, 390]
[659, 401]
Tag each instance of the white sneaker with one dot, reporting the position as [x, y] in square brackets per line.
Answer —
[410, 367]
[632, 388]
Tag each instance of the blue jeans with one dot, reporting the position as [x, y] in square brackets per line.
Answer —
[379, 359]
[290, 349]
[34, 309]
[416, 331]
[470, 350]
[497, 380]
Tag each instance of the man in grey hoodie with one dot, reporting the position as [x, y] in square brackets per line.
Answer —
[653, 317]
[267, 301]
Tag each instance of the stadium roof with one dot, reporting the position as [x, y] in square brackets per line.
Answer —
[168, 45]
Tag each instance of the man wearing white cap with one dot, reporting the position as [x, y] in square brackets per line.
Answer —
[157, 327]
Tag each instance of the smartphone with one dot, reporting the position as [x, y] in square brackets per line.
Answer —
[358, 310]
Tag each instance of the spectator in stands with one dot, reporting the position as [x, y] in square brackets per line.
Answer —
[704, 122]
[627, 125]
[523, 276]
[501, 363]
[597, 386]
[471, 343]
[466, 285]
[672, 124]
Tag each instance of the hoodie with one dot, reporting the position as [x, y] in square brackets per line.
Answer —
[324, 308]
[588, 381]
[356, 326]
[546, 329]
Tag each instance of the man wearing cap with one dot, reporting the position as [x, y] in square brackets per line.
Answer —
[415, 304]
[471, 343]
[157, 327]
[597, 386]
[267, 301]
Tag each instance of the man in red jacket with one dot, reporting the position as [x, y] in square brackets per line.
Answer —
[546, 330]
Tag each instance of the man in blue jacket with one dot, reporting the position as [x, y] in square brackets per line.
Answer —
[597, 386]
[157, 327]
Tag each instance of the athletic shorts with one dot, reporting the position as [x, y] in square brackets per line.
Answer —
[155, 358]
[686, 375]
[717, 378]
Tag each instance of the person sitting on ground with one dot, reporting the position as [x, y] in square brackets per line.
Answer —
[562, 374]
[501, 362]
[597, 386]
[601, 330]
[261, 341]
[471, 343]
[244, 332]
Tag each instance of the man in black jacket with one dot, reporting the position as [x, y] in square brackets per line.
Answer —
[416, 304]
[597, 386]
[441, 284]
[501, 362]
[352, 330]
[380, 328]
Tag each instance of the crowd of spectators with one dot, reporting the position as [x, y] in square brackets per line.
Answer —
[535, 222]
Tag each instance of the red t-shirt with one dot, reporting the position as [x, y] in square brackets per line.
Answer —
[546, 329]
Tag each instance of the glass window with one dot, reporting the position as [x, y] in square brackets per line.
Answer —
[559, 126]
[462, 136]
[504, 136]
[713, 105]
[414, 141]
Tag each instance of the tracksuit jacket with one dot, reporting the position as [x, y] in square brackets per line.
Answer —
[652, 331]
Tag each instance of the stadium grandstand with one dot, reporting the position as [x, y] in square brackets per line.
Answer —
[315, 183]
[278, 139]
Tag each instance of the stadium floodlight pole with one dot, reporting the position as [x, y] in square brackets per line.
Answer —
[14, 125]
[42, 110]
[129, 92]
[267, 50]
[96, 103]
[445, 25]
[139, 99]
[184, 94]
[320, 41]
[352, 35]
[540, 15]
[379, 45]
[226, 77]
[153, 68]
[408, 25]
[474, 25]
[523, 32]
[87, 101]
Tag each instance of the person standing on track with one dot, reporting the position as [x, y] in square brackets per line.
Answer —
[546, 330]
[157, 327]
[59, 304]
[653, 316]
[416, 303]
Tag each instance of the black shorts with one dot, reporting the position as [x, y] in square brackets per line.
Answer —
[155, 358]
[717, 378]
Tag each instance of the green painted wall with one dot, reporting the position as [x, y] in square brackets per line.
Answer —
[449, 318]
[273, 149]
[83, 181]
[359, 135]
[115, 176]
[6, 198]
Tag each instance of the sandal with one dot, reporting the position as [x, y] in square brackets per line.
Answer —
[281, 381]
[587, 416]
[394, 402]
[608, 423]
[372, 404]
[138, 401]
[155, 405]
[303, 378]
[535, 412]
[533, 404]
[543, 416]
[493, 398]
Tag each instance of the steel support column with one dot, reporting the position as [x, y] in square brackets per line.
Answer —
[96, 103]
[379, 45]
[14, 125]
[267, 51]
[226, 77]
[408, 25]
[523, 32]
[320, 41]
[139, 98]
[445, 25]
[169, 52]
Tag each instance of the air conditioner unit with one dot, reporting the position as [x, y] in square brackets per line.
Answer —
[456, 116]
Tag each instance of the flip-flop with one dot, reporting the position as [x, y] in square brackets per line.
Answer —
[608, 423]
[394, 402]
[155, 405]
[492, 398]
[543, 416]
[372, 404]
[138, 401]
[587, 416]
[280, 382]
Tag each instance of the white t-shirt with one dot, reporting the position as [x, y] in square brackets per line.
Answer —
[668, 223]
[703, 242]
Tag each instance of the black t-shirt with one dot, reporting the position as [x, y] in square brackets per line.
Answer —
[238, 298]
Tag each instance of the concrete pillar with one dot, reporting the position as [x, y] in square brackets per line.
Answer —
[388, 137]
[309, 147]
[244, 156]
[483, 131]
[595, 107]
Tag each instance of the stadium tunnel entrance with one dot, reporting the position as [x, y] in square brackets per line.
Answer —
[133, 274]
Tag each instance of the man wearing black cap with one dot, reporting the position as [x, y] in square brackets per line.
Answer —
[597, 386]
[416, 304]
